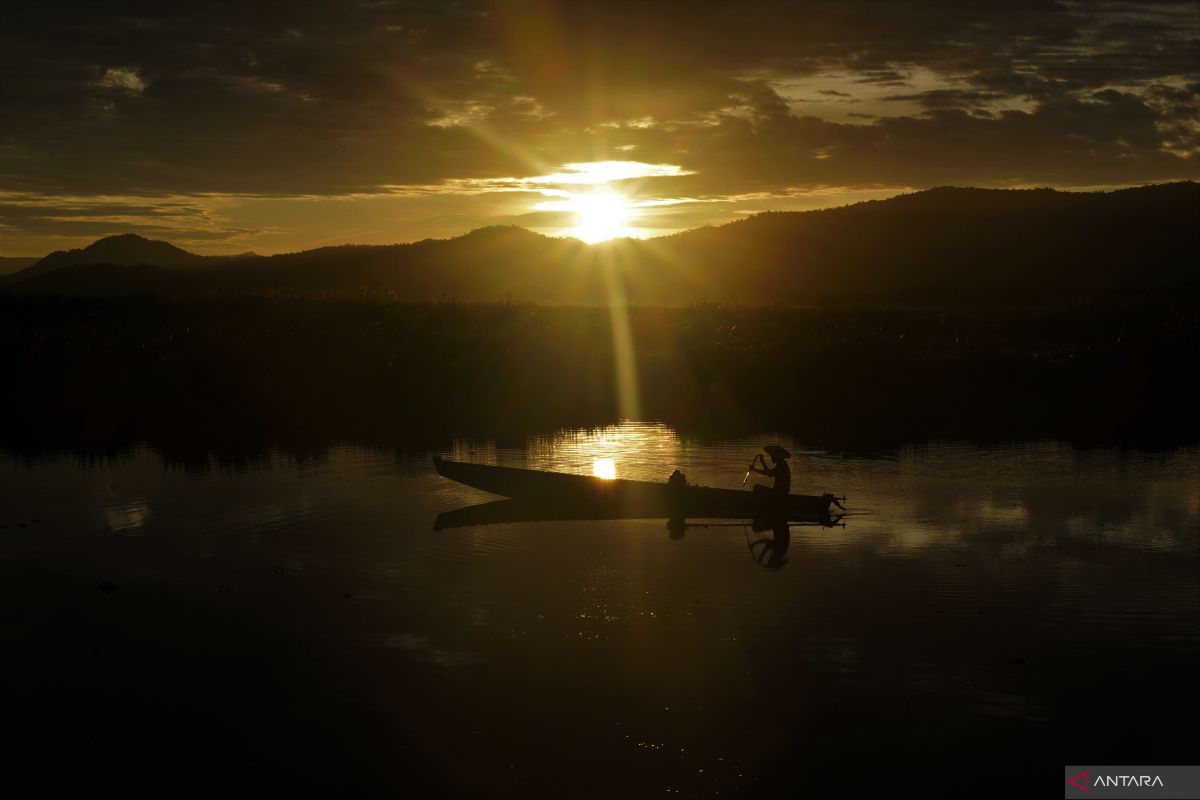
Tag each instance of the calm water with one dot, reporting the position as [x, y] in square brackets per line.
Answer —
[985, 617]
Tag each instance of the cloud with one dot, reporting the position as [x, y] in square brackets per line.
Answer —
[331, 99]
[124, 79]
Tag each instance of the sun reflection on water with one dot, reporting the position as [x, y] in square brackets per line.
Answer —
[644, 451]
[604, 468]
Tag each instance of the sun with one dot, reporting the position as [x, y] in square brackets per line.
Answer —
[601, 215]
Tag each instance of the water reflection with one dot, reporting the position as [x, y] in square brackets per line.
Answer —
[604, 468]
[126, 515]
[1023, 602]
[772, 551]
[638, 450]
[507, 512]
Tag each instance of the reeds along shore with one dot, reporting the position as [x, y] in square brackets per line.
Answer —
[240, 373]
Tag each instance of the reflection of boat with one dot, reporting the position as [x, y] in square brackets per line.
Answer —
[600, 498]
[507, 511]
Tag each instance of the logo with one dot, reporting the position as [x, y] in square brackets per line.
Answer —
[1128, 782]
[1080, 782]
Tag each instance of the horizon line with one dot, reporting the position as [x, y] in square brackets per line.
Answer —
[1097, 189]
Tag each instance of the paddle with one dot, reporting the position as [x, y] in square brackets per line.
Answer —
[750, 469]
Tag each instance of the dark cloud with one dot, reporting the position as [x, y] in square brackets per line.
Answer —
[331, 97]
[948, 98]
[1107, 138]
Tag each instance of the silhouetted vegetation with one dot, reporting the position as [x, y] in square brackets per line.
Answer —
[244, 372]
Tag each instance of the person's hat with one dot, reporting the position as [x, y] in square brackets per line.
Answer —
[776, 452]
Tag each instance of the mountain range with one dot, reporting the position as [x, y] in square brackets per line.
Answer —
[946, 244]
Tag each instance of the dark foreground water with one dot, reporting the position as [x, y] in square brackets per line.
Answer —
[984, 618]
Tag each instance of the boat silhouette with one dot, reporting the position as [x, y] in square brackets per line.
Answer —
[501, 512]
[536, 495]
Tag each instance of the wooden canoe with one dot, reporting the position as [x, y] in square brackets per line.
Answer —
[620, 498]
[503, 512]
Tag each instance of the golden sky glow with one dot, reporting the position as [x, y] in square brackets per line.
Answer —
[278, 127]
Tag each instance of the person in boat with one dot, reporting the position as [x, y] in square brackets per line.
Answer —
[780, 472]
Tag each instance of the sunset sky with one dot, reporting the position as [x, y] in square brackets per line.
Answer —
[272, 126]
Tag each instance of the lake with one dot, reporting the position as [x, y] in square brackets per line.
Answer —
[984, 617]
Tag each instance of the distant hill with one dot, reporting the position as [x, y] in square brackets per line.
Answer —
[940, 245]
[127, 249]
